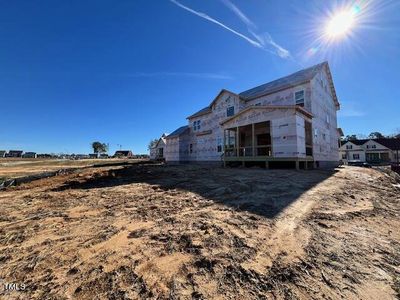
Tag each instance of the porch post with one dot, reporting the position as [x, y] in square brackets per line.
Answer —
[224, 144]
[253, 142]
[237, 141]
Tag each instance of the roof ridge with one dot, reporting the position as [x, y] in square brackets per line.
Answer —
[316, 66]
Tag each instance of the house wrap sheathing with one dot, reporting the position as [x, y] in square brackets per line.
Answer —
[291, 120]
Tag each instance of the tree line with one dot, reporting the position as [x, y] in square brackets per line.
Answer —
[372, 135]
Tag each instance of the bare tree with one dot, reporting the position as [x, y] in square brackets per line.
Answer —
[152, 143]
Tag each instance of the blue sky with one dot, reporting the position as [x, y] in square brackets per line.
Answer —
[123, 72]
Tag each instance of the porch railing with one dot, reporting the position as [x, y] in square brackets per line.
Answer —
[263, 150]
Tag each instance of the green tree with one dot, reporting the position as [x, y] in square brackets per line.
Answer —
[152, 143]
[376, 135]
[99, 147]
[352, 137]
[396, 135]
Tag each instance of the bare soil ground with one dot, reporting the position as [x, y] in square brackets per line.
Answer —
[17, 167]
[189, 232]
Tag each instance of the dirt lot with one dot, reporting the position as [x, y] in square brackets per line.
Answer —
[11, 168]
[190, 232]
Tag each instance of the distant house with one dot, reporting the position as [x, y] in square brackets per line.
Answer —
[14, 153]
[94, 155]
[43, 155]
[2, 153]
[81, 156]
[157, 151]
[123, 153]
[375, 151]
[29, 155]
[103, 155]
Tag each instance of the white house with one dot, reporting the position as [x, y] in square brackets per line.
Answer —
[157, 151]
[290, 121]
[376, 151]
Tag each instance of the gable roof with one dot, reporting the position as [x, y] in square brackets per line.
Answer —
[220, 93]
[393, 143]
[201, 112]
[123, 152]
[162, 138]
[208, 109]
[289, 81]
[274, 86]
[355, 142]
[178, 131]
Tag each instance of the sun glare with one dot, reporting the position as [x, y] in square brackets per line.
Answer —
[340, 24]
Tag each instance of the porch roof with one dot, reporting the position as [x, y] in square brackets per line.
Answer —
[294, 107]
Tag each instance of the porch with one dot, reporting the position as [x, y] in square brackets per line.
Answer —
[251, 144]
[377, 157]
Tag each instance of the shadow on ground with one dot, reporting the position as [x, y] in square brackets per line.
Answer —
[259, 191]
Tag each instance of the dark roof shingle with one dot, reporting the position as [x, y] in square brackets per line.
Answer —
[202, 111]
[178, 131]
[391, 143]
[283, 83]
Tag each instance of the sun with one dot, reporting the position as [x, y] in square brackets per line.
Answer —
[340, 24]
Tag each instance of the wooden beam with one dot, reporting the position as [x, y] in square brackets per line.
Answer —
[253, 140]
[237, 141]
[224, 144]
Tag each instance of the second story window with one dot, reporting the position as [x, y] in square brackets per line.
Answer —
[299, 98]
[230, 111]
[348, 147]
[196, 125]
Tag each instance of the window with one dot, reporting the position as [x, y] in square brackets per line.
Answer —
[230, 111]
[328, 119]
[196, 125]
[219, 145]
[258, 104]
[324, 136]
[299, 98]
[190, 148]
[344, 156]
[348, 147]
[356, 156]
[316, 132]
